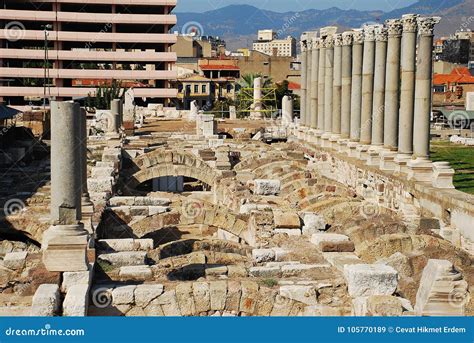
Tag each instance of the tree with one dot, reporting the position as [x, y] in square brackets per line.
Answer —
[248, 79]
[104, 96]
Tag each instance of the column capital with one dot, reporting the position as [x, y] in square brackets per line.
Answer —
[426, 25]
[369, 33]
[381, 33]
[358, 36]
[329, 42]
[303, 46]
[316, 43]
[394, 27]
[347, 38]
[337, 39]
[409, 22]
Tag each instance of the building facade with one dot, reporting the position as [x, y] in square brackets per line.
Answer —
[122, 40]
[269, 44]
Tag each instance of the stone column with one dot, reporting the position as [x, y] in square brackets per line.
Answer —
[420, 169]
[193, 111]
[287, 110]
[346, 74]
[303, 80]
[314, 84]
[367, 91]
[65, 242]
[309, 68]
[87, 207]
[328, 85]
[356, 95]
[392, 95]
[407, 92]
[378, 107]
[115, 109]
[321, 89]
[257, 97]
[337, 90]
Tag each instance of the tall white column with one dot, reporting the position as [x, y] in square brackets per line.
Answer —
[420, 169]
[257, 97]
[407, 92]
[392, 95]
[378, 107]
[337, 89]
[309, 68]
[346, 74]
[356, 90]
[328, 86]
[314, 83]
[321, 88]
[287, 110]
[303, 80]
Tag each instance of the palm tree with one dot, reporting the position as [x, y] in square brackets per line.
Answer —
[248, 79]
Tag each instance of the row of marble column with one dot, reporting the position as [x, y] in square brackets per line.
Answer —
[361, 90]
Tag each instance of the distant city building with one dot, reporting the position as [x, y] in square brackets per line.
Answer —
[89, 43]
[458, 48]
[188, 46]
[268, 43]
[452, 88]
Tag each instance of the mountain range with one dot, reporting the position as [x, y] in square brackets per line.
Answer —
[238, 24]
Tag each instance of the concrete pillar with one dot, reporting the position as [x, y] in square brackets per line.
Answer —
[313, 122]
[257, 97]
[287, 110]
[65, 242]
[378, 106]
[309, 68]
[328, 85]
[367, 85]
[356, 90]
[321, 88]
[392, 95]
[337, 88]
[346, 75]
[407, 91]
[87, 207]
[303, 80]
[115, 109]
[421, 167]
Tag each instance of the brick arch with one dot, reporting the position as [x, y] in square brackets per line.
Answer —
[161, 163]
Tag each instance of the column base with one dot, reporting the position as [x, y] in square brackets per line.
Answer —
[342, 145]
[65, 248]
[420, 170]
[443, 175]
[401, 161]
[333, 141]
[351, 147]
[387, 160]
[362, 152]
[373, 156]
[325, 143]
[311, 136]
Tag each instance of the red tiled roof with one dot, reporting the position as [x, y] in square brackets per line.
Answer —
[458, 75]
[218, 67]
[293, 86]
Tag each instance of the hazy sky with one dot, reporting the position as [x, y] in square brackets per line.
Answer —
[293, 5]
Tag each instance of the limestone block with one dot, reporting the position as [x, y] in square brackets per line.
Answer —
[102, 172]
[218, 293]
[123, 295]
[378, 306]
[100, 185]
[236, 271]
[15, 260]
[331, 242]
[263, 255]
[313, 223]
[400, 262]
[249, 297]
[45, 301]
[286, 220]
[321, 311]
[216, 271]
[280, 254]
[125, 258]
[267, 187]
[289, 232]
[126, 244]
[76, 301]
[76, 278]
[265, 271]
[301, 293]
[370, 279]
[281, 307]
[136, 273]
[234, 294]
[169, 304]
[144, 294]
[184, 295]
[318, 238]
[201, 293]
[297, 269]
[442, 292]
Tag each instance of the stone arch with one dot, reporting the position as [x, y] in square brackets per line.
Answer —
[160, 163]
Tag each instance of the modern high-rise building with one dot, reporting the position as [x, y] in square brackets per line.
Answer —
[84, 44]
[268, 43]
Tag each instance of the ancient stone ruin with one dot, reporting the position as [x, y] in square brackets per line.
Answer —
[204, 217]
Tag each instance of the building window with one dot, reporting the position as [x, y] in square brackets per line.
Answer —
[196, 89]
[204, 89]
